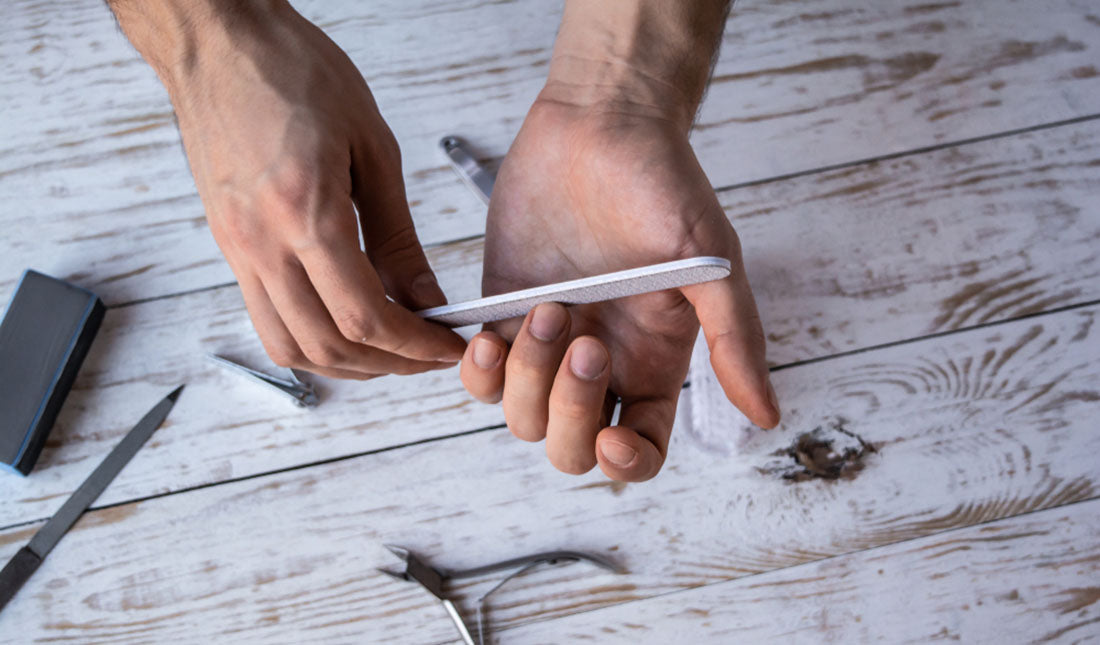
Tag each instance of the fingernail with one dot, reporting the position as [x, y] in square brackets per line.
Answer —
[426, 291]
[548, 322]
[772, 399]
[618, 453]
[486, 354]
[587, 360]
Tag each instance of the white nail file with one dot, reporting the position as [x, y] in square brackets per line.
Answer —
[608, 286]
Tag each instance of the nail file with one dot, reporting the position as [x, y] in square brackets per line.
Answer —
[608, 286]
[27, 559]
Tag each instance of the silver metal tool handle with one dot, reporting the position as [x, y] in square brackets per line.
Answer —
[462, 160]
[461, 626]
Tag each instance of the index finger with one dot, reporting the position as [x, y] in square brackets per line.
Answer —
[354, 295]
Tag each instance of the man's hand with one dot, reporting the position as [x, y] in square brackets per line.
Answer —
[601, 178]
[286, 143]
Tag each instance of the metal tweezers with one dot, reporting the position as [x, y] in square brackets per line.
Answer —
[433, 579]
[302, 393]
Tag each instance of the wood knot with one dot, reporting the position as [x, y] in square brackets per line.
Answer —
[829, 451]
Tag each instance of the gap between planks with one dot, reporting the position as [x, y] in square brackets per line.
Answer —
[1008, 435]
[488, 428]
[927, 244]
[794, 89]
[680, 613]
[732, 187]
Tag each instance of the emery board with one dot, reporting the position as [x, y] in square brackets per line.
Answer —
[44, 336]
[607, 286]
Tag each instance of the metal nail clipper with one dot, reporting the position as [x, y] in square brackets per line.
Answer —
[433, 578]
[302, 393]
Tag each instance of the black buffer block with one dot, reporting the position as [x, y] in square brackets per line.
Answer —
[44, 337]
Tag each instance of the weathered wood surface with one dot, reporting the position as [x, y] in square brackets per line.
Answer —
[1031, 578]
[91, 167]
[969, 428]
[841, 260]
[924, 243]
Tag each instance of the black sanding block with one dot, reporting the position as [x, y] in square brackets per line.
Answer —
[44, 337]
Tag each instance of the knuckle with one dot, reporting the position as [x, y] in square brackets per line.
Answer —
[530, 367]
[291, 187]
[705, 231]
[320, 352]
[401, 245]
[356, 326]
[576, 411]
[242, 227]
[685, 243]
[285, 355]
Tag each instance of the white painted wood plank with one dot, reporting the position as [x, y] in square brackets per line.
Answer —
[1030, 578]
[969, 428]
[924, 243]
[841, 260]
[91, 168]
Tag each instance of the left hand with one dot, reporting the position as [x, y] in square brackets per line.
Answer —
[584, 192]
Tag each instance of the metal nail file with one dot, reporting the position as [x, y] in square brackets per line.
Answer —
[27, 560]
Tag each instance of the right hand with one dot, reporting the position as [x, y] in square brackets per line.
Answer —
[286, 144]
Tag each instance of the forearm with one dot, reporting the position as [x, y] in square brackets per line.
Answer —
[644, 56]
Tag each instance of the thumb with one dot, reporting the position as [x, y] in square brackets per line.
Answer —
[404, 270]
[390, 236]
[731, 325]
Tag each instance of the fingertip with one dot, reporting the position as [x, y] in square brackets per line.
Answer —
[402, 332]
[482, 370]
[773, 414]
[548, 321]
[624, 455]
[425, 292]
[486, 350]
[747, 387]
[452, 346]
[567, 463]
[588, 358]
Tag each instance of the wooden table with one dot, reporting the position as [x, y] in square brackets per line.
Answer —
[917, 185]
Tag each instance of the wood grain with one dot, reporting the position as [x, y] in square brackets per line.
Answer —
[90, 162]
[969, 428]
[1031, 578]
[924, 243]
[841, 260]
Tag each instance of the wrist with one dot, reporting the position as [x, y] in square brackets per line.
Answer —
[183, 39]
[648, 58]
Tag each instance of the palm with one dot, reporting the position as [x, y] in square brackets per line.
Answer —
[604, 198]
